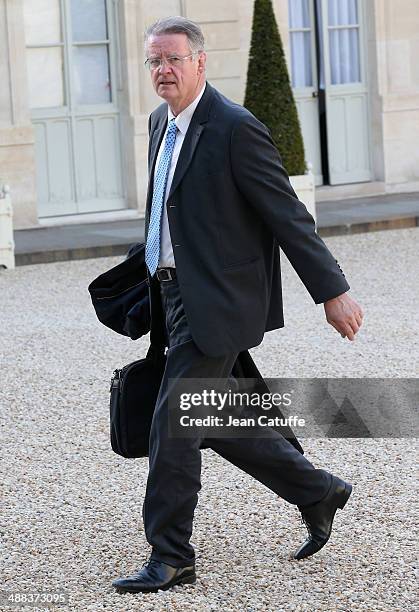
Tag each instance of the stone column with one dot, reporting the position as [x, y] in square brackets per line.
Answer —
[17, 143]
[397, 52]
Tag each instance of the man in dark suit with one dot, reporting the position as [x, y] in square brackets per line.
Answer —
[219, 205]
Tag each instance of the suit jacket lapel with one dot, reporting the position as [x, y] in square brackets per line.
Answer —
[196, 127]
[186, 153]
[155, 140]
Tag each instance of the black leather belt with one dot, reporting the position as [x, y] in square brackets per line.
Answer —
[165, 274]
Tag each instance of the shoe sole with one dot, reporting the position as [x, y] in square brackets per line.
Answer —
[179, 581]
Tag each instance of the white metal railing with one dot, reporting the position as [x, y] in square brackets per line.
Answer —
[7, 244]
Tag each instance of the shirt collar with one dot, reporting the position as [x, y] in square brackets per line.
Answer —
[183, 119]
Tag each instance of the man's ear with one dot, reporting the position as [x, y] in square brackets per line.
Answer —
[201, 61]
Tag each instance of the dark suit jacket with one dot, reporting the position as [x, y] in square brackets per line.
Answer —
[230, 206]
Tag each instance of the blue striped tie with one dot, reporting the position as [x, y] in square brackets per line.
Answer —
[152, 248]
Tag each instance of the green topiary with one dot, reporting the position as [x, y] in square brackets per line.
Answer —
[268, 91]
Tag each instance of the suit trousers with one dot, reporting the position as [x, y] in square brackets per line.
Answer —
[175, 463]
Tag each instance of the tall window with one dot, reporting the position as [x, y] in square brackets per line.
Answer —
[45, 53]
[343, 26]
[90, 51]
[300, 38]
[67, 43]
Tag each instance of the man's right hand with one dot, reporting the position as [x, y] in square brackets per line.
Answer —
[345, 315]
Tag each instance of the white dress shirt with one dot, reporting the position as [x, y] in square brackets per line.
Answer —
[182, 121]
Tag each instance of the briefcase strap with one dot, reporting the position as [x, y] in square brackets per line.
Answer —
[156, 348]
[157, 337]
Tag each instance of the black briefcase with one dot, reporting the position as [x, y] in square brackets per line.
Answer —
[134, 389]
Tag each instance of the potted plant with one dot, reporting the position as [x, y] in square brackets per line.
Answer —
[270, 98]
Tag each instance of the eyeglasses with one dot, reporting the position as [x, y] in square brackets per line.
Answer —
[175, 61]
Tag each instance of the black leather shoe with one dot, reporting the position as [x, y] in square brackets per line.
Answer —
[154, 576]
[318, 517]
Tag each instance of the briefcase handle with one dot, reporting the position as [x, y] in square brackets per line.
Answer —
[157, 346]
[155, 353]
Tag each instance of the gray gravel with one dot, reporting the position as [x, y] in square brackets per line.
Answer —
[71, 509]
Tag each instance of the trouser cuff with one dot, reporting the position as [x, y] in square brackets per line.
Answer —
[328, 481]
[172, 561]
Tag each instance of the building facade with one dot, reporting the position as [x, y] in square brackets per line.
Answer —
[75, 96]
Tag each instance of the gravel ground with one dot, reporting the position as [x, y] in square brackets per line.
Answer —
[71, 508]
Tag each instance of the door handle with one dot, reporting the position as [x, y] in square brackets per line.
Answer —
[315, 94]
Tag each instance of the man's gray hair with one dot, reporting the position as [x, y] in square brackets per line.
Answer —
[178, 25]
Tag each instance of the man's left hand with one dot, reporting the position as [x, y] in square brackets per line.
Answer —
[345, 315]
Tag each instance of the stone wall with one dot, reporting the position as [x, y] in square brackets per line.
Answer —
[17, 150]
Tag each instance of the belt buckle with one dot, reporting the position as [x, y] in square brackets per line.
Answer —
[166, 271]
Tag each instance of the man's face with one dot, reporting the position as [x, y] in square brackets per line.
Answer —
[178, 85]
